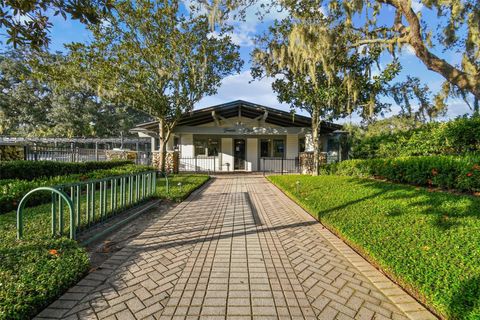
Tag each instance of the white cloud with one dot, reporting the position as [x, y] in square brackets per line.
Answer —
[243, 87]
[407, 50]
[417, 5]
[245, 30]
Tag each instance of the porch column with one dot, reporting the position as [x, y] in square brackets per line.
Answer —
[227, 154]
[291, 146]
[153, 146]
[252, 154]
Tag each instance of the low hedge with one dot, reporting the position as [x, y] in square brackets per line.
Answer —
[29, 170]
[34, 273]
[447, 172]
[12, 191]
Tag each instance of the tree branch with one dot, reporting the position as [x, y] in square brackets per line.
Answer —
[461, 79]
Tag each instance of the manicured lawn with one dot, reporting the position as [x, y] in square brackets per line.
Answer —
[428, 241]
[36, 270]
[181, 186]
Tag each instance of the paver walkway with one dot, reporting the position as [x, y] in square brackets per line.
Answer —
[237, 249]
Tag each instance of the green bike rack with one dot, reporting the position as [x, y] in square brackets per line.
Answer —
[55, 193]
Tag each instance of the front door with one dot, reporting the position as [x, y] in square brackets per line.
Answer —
[239, 154]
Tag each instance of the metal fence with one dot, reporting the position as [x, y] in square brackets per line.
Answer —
[90, 202]
[200, 164]
[270, 165]
[280, 165]
[39, 153]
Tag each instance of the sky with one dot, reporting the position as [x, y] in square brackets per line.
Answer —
[242, 86]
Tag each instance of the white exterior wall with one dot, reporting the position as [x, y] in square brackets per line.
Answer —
[186, 146]
[291, 145]
[252, 154]
[226, 154]
[309, 143]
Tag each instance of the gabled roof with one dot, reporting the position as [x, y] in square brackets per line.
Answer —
[245, 109]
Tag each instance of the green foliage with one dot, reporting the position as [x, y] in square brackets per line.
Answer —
[181, 186]
[31, 105]
[29, 170]
[456, 137]
[12, 191]
[31, 276]
[27, 22]
[428, 241]
[447, 172]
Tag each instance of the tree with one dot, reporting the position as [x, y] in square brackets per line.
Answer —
[32, 106]
[24, 101]
[410, 92]
[391, 25]
[325, 96]
[26, 22]
[150, 57]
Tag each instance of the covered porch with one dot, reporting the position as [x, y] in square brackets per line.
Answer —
[243, 137]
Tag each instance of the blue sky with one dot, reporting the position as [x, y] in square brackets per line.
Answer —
[241, 86]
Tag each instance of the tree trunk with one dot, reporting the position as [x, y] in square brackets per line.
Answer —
[316, 127]
[463, 80]
[162, 143]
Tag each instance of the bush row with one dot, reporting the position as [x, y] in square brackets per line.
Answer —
[12, 191]
[448, 172]
[457, 137]
[29, 170]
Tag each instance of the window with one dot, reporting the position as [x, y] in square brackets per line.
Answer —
[176, 143]
[265, 148]
[332, 145]
[206, 146]
[301, 145]
[278, 148]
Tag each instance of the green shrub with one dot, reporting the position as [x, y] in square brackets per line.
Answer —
[32, 276]
[427, 241]
[457, 137]
[448, 172]
[12, 191]
[29, 170]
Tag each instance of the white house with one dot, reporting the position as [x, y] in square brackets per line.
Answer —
[243, 136]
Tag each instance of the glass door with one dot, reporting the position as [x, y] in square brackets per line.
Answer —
[239, 154]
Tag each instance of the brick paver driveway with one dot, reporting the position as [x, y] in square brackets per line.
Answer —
[237, 249]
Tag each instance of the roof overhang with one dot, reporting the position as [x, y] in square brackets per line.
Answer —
[239, 108]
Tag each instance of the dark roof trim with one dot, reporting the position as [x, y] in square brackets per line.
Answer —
[244, 108]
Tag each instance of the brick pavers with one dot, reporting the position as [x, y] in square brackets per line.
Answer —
[237, 249]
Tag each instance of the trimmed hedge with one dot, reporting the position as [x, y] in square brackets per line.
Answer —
[29, 170]
[447, 172]
[12, 191]
[34, 273]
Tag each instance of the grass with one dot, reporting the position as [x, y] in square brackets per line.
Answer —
[428, 241]
[181, 186]
[38, 269]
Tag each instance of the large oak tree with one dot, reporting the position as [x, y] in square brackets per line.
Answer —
[151, 57]
[392, 25]
[346, 88]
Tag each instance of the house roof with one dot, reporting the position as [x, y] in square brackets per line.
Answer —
[241, 108]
